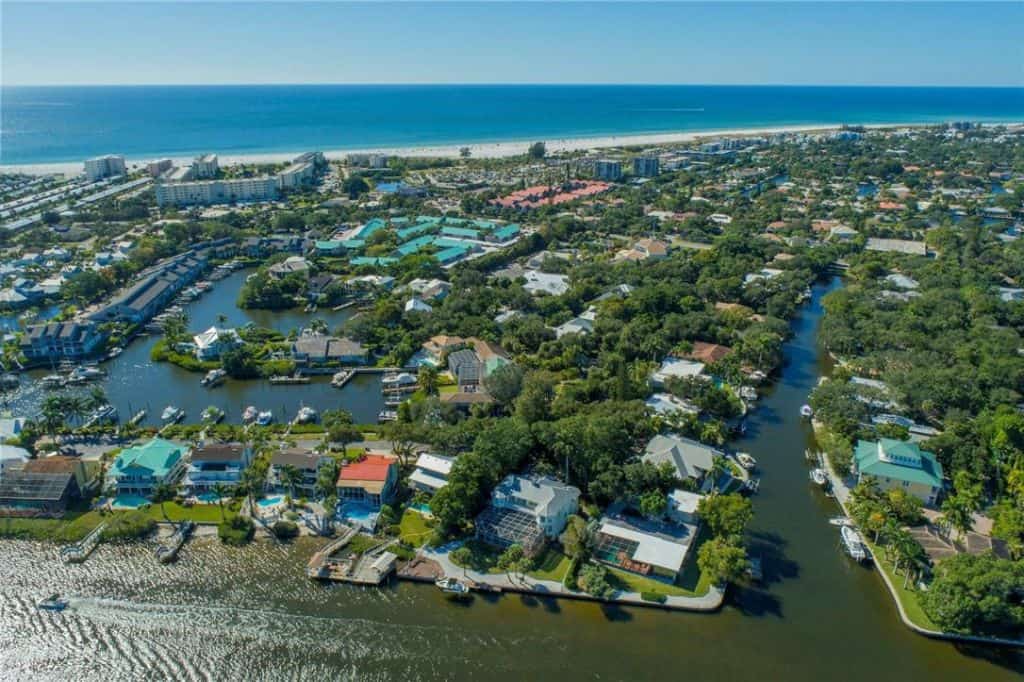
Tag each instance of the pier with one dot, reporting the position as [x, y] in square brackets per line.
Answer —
[80, 551]
[169, 552]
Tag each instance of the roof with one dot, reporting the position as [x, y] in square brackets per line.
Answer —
[34, 486]
[708, 352]
[55, 464]
[219, 452]
[690, 458]
[684, 501]
[158, 456]
[664, 547]
[542, 491]
[899, 460]
[427, 479]
[370, 473]
[436, 463]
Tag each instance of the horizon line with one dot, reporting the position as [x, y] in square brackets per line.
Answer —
[515, 84]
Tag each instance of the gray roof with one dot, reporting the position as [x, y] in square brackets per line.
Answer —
[690, 458]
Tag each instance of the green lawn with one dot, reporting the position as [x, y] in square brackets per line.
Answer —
[552, 565]
[200, 513]
[907, 596]
[484, 559]
[447, 389]
[71, 528]
[631, 582]
[415, 531]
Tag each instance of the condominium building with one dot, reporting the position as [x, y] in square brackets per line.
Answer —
[607, 169]
[59, 340]
[205, 167]
[645, 166]
[104, 167]
[216, 191]
[158, 168]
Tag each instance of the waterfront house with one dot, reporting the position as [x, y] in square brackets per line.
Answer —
[371, 480]
[689, 458]
[153, 290]
[682, 506]
[37, 493]
[307, 462]
[675, 368]
[431, 473]
[526, 510]
[62, 464]
[893, 464]
[140, 468]
[62, 340]
[708, 353]
[216, 463]
[653, 549]
[435, 348]
[418, 305]
[289, 266]
[318, 350]
[12, 457]
[214, 342]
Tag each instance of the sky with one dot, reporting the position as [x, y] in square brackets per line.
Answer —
[800, 43]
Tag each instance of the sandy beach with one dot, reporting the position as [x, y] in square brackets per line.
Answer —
[485, 150]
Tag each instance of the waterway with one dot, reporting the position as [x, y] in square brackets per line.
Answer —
[249, 613]
[135, 382]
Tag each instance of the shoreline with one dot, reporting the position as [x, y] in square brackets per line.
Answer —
[481, 150]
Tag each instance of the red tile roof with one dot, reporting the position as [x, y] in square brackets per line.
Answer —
[370, 468]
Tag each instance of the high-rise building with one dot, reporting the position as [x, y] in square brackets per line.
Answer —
[205, 167]
[104, 167]
[606, 169]
[646, 166]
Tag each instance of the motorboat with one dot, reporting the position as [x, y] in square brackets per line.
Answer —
[264, 418]
[105, 413]
[172, 414]
[52, 603]
[853, 543]
[806, 412]
[213, 377]
[748, 393]
[452, 586]
[85, 373]
[746, 461]
[841, 521]
[137, 417]
[387, 415]
[52, 381]
[250, 414]
[820, 477]
[306, 415]
[341, 378]
[400, 381]
[114, 352]
[212, 414]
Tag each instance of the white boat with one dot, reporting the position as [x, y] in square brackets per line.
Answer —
[86, 373]
[137, 417]
[387, 415]
[213, 377]
[841, 521]
[820, 477]
[748, 393]
[452, 586]
[264, 418]
[306, 415]
[52, 381]
[114, 352]
[400, 380]
[341, 378]
[106, 413]
[806, 412]
[746, 461]
[172, 414]
[853, 543]
[52, 603]
[249, 414]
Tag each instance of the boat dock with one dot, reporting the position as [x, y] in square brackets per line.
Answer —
[369, 568]
[168, 553]
[296, 379]
[80, 551]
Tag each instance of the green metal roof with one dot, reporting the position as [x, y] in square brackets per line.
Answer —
[158, 456]
[460, 232]
[450, 254]
[415, 245]
[369, 260]
[415, 230]
[898, 460]
[370, 227]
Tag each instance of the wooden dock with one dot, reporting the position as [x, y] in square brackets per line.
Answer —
[168, 553]
[80, 551]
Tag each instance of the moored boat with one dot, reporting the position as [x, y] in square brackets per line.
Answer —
[853, 543]
[212, 414]
[52, 603]
[172, 414]
[306, 415]
[746, 461]
[213, 377]
[820, 477]
[250, 414]
[452, 586]
[806, 412]
[264, 418]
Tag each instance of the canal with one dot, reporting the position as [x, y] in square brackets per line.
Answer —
[249, 613]
[135, 382]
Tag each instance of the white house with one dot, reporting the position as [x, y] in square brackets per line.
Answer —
[414, 304]
[215, 341]
[547, 499]
[678, 368]
[431, 473]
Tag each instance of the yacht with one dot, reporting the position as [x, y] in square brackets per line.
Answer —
[306, 415]
[264, 418]
[213, 377]
[341, 378]
[137, 417]
[172, 414]
[853, 543]
[820, 477]
[250, 414]
[452, 586]
[106, 413]
[52, 381]
[746, 461]
[806, 412]
[114, 352]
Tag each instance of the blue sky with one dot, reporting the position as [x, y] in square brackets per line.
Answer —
[722, 43]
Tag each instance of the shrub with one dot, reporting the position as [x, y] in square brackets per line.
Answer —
[236, 531]
[656, 597]
[128, 526]
[403, 551]
[285, 529]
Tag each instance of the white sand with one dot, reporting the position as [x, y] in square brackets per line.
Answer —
[486, 150]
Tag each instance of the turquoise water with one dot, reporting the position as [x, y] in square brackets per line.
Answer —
[361, 514]
[270, 501]
[51, 124]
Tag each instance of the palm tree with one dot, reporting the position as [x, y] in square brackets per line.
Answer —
[97, 398]
[291, 477]
[222, 319]
[162, 493]
[220, 490]
[427, 379]
[956, 515]
[52, 415]
[318, 326]
[252, 482]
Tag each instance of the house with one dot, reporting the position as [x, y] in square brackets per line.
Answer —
[645, 250]
[526, 510]
[650, 548]
[538, 283]
[289, 266]
[10, 427]
[214, 342]
[682, 506]
[436, 347]
[370, 480]
[431, 473]
[689, 458]
[417, 305]
[140, 468]
[12, 457]
[464, 401]
[894, 464]
[465, 367]
[432, 289]
[667, 404]
[62, 464]
[675, 368]
[308, 464]
[708, 353]
[318, 350]
[62, 340]
[216, 463]
[37, 493]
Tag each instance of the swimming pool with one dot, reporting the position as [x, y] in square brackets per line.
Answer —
[423, 509]
[128, 502]
[361, 514]
[209, 498]
[270, 501]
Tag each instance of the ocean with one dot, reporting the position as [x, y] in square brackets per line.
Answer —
[61, 124]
